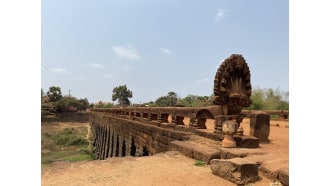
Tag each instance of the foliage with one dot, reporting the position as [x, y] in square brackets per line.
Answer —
[200, 163]
[121, 93]
[169, 100]
[54, 94]
[269, 99]
[100, 104]
[71, 104]
[69, 136]
[197, 101]
[68, 144]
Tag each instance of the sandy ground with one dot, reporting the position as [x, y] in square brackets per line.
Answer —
[170, 168]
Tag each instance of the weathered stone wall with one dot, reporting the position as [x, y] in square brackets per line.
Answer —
[117, 137]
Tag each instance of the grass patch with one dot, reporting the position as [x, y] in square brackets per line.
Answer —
[200, 163]
[64, 144]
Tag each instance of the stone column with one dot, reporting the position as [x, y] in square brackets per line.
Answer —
[128, 146]
[193, 122]
[120, 146]
[259, 125]
[104, 140]
[115, 146]
[159, 117]
[173, 119]
[218, 125]
[107, 142]
[229, 128]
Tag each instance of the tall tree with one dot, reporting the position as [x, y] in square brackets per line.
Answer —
[54, 94]
[121, 93]
[169, 100]
[173, 98]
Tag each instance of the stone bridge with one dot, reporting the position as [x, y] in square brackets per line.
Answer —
[138, 131]
[143, 131]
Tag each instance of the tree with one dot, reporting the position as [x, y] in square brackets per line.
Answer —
[173, 98]
[269, 99]
[121, 93]
[54, 94]
[169, 100]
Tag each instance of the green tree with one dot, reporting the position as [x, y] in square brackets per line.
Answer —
[121, 93]
[173, 98]
[257, 98]
[169, 100]
[195, 101]
[83, 104]
[54, 94]
[269, 99]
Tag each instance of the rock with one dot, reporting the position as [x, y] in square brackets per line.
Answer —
[246, 141]
[236, 170]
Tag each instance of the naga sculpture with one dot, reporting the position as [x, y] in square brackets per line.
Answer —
[232, 91]
[232, 86]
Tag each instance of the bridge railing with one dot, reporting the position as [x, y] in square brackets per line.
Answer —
[178, 111]
[283, 114]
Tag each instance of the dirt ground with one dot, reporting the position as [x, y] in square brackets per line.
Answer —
[170, 168]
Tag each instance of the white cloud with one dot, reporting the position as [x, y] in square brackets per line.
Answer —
[219, 15]
[166, 51]
[95, 65]
[128, 52]
[59, 70]
[204, 80]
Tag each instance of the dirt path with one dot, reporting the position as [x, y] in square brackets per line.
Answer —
[170, 168]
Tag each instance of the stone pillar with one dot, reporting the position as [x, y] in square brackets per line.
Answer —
[139, 150]
[229, 128]
[107, 142]
[193, 122]
[259, 125]
[104, 139]
[159, 118]
[218, 125]
[112, 143]
[115, 146]
[173, 117]
[120, 146]
[128, 145]
[102, 143]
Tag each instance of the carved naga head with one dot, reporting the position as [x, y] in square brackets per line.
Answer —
[232, 86]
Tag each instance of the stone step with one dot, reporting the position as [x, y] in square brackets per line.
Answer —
[205, 149]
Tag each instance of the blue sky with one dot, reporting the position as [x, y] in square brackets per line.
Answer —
[155, 47]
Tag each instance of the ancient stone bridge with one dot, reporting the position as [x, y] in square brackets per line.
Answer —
[140, 131]
[143, 131]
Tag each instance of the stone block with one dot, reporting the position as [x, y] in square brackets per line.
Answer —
[276, 169]
[237, 170]
[259, 125]
[246, 141]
